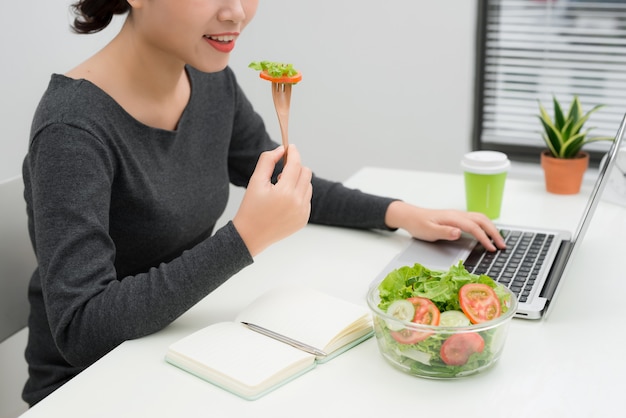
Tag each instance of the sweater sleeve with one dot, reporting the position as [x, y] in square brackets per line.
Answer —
[90, 310]
[334, 204]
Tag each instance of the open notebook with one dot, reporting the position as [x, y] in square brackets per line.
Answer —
[281, 335]
[535, 260]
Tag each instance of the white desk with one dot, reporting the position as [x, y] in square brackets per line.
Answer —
[571, 365]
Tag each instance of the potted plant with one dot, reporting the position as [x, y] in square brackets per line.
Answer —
[564, 163]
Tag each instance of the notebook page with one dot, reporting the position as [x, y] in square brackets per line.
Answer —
[238, 359]
[304, 314]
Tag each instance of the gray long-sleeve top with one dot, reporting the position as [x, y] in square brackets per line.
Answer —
[121, 216]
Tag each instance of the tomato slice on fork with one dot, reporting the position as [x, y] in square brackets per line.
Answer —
[285, 79]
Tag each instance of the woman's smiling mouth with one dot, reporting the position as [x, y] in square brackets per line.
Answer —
[223, 43]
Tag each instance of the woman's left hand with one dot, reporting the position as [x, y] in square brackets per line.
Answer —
[439, 224]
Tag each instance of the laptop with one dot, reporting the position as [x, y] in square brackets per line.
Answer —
[535, 260]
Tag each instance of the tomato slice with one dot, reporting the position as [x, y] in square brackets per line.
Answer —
[479, 302]
[409, 336]
[427, 313]
[456, 350]
[284, 79]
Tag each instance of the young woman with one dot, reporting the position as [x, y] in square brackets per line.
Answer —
[130, 160]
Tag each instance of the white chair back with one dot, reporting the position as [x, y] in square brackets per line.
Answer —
[17, 259]
[17, 263]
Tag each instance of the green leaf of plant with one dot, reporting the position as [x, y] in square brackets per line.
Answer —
[552, 135]
[559, 119]
[564, 137]
[572, 146]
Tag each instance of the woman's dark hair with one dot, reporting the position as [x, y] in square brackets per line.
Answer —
[95, 15]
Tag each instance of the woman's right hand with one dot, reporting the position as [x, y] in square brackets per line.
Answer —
[270, 212]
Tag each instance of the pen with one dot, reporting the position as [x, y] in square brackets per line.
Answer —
[284, 339]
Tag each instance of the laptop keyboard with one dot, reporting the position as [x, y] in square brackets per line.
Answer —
[518, 265]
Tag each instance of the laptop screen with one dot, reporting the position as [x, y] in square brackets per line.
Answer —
[570, 248]
[601, 181]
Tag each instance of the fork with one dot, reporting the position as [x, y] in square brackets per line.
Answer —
[281, 93]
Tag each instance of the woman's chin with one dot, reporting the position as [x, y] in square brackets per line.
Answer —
[214, 66]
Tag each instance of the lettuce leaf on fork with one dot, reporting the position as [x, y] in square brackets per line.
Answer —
[274, 69]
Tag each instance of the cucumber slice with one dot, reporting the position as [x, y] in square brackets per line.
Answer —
[453, 319]
[402, 310]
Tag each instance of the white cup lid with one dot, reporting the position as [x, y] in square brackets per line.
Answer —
[485, 162]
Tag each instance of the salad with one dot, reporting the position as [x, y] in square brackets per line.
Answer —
[457, 313]
[277, 72]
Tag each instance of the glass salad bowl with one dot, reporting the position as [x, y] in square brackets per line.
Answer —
[454, 348]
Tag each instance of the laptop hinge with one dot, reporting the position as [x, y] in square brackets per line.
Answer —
[554, 276]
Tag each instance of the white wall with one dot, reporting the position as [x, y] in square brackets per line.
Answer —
[35, 42]
[385, 83]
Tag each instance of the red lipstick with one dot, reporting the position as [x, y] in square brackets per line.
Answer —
[221, 42]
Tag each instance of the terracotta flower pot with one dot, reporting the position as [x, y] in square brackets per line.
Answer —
[564, 175]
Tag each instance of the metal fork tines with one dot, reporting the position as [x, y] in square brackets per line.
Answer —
[281, 93]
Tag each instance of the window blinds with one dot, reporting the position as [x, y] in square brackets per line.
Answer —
[530, 50]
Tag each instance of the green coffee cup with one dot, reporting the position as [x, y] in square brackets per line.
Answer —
[485, 174]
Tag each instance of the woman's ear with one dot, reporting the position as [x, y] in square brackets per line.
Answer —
[135, 4]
